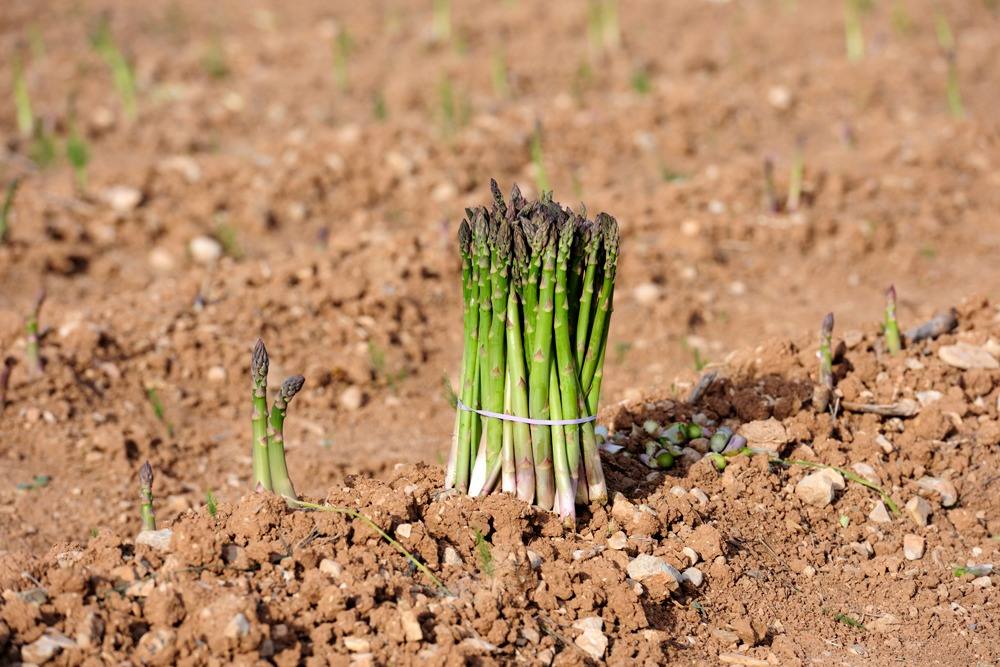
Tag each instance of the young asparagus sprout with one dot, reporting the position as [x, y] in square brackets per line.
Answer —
[258, 396]
[146, 497]
[7, 207]
[853, 36]
[121, 71]
[32, 354]
[280, 480]
[824, 388]
[22, 101]
[892, 339]
[795, 178]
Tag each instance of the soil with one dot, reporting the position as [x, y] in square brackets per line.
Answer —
[334, 220]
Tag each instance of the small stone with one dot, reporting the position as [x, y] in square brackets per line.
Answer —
[331, 568]
[161, 260]
[646, 293]
[965, 356]
[237, 627]
[835, 478]
[444, 192]
[919, 510]
[45, 647]
[863, 549]
[122, 199]
[913, 546]
[740, 659]
[216, 374]
[779, 97]
[357, 644]
[534, 559]
[867, 472]
[618, 541]
[205, 249]
[90, 631]
[767, 434]
[691, 555]
[592, 641]
[928, 397]
[451, 557]
[404, 530]
[727, 637]
[411, 626]
[982, 582]
[693, 576]
[645, 566]
[700, 495]
[944, 488]
[352, 398]
[678, 491]
[884, 624]
[879, 513]
[815, 489]
[885, 444]
[157, 539]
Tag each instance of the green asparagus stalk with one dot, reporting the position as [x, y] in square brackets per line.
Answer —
[481, 232]
[517, 373]
[458, 465]
[146, 497]
[603, 313]
[22, 101]
[565, 358]
[824, 388]
[258, 395]
[280, 480]
[508, 479]
[591, 250]
[892, 339]
[564, 503]
[32, 354]
[497, 343]
[7, 207]
[541, 360]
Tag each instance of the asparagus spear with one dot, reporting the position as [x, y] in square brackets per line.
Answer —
[34, 359]
[564, 502]
[258, 396]
[508, 479]
[591, 250]
[892, 340]
[541, 360]
[458, 464]
[146, 497]
[823, 390]
[565, 358]
[280, 480]
[499, 279]
[517, 374]
[603, 313]
[481, 232]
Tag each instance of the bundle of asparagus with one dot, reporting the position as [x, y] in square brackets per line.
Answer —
[538, 282]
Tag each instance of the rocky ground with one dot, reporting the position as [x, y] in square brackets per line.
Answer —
[296, 171]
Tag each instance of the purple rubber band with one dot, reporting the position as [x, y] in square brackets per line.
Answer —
[527, 420]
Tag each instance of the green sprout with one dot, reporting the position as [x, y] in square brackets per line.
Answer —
[484, 554]
[848, 621]
[31, 350]
[37, 482]
[454, 108]
[259, 362]
[343, 45]
[77, 153]
[154, 402]
[640, 81]
[538, 160]
[214, 60]
[211, 503]
[946, 40]
[280, 480]
[441, 23]
[146, 497]
[22, 101]
[893, 342]
[499, 75]
[43, 147]
[379, 109]
[8, 205]
[853, 36]
[103, 42]
[795, 178]
[603, 32]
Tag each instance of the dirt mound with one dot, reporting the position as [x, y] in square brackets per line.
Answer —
[687, 564]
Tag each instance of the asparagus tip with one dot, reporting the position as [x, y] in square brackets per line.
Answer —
[827, 327]
[890, 295]
[258, 360]
[146, 474]
[39, 300]
[292, 386]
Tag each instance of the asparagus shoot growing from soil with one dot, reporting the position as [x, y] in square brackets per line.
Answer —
[146, 497]
[7, 207]
[441, 24]
[795, 180]
[280, 480]
[854, 38]
[258, 396]
[946, 40]
[22, 102]
[77, 152]
[343, 44]
[121, 71]
[824, 388]
[31, 351]
[892, 340]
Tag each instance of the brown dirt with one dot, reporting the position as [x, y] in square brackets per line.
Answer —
[341, 257]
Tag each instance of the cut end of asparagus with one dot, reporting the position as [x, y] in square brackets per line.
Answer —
[146, 475]
[259, 362]
[292, 386]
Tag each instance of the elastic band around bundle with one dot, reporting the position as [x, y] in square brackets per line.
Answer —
[527, 420]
